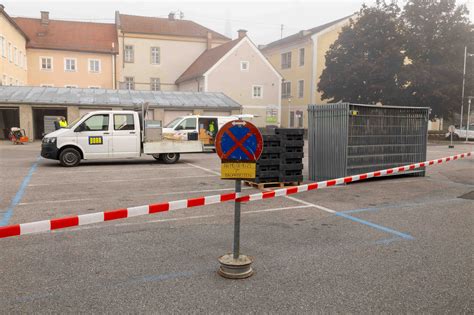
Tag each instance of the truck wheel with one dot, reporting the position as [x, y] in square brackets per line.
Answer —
[69, 157]
[156, 157]
[169, 158]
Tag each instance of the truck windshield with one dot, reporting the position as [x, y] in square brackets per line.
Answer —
[174, 122]
[74, 122]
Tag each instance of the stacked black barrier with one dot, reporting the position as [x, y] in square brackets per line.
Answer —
[282, 157]
[291, 159]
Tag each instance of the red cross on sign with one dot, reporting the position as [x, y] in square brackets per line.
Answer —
[239, 140]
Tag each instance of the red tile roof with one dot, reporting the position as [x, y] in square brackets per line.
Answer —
[206, 60]
[165, 26]
[69, 35]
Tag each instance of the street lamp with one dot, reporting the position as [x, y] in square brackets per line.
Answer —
[463, 83]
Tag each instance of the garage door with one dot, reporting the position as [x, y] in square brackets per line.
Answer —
[9, 117]
[172, 114]
[212, 113]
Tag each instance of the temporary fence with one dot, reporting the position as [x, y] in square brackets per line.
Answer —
[347, 139]
[79, 220]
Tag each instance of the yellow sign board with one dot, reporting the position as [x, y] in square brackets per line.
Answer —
[238, 170]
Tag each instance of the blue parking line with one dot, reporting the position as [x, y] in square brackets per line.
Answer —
[397, 206]
[375, 226]
[19, 194]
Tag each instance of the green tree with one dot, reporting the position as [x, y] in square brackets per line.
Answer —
[363, 64]
[435, 33]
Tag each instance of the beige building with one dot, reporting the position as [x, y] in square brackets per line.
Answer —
[239, 70]
[300, 58]
[69, 54]
[154, 52]
[13, 63]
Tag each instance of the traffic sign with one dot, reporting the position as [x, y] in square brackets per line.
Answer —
[239, 140]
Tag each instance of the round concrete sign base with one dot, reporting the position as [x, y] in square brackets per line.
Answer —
[239, 268]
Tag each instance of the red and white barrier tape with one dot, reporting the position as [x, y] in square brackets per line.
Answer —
[83, 219]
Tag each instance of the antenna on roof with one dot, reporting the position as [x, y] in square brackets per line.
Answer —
[281, 31]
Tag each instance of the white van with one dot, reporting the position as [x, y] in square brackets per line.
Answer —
[203, 127]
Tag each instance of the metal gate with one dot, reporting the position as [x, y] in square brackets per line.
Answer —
[347, 139]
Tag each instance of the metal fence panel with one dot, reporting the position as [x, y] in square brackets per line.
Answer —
[347, 139]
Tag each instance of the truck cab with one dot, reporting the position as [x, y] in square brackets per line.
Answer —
[96, 135]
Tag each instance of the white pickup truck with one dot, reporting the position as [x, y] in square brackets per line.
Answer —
[125, 134]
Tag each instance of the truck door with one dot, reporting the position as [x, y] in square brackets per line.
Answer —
[93, 136]
[186, 126]
[125, 136]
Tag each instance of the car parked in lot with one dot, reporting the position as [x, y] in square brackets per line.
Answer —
[460, 134]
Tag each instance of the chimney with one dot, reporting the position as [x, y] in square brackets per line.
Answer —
[242, 33]
[171, 16]
[44, 17]
[209, 40]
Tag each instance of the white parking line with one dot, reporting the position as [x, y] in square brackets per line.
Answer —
[204, 169]
[114, 197]
[119, 180]
[118, 170]
[309, 204]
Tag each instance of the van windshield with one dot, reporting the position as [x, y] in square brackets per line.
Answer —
[173, 123]
[74, 122]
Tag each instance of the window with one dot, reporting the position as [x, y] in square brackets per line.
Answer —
[301, 88]
[11, 81]
[10, 52]
[286, 60]
[20, 59]
[187, 124]
[25, 62]
[4, 80]
[3, 46]
[244, 66]
[257, 91]
[70, 86]
[70, 64]
[292, 119]
[97, 123]
[130, 83]
[155, 55]
[155, 84]
[129, 55]
[123, 122]
[94, 65]
[286, 89]
[46, 63]
[94, 87]
[46, 85]
[15, 55]
[299, 116]
[301, 57]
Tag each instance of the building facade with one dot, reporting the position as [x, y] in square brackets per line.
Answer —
[13, 63]
[300, 58]
[70, 54]
[154, 52]
[239, 70]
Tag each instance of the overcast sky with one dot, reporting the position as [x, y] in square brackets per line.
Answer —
[262, 19]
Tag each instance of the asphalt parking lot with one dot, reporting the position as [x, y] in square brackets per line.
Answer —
[395, 245]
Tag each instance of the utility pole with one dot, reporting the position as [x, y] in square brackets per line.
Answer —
[281, 31]
[463, 82]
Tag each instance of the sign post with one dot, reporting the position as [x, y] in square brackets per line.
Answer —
[451, 131]
[239, 144]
